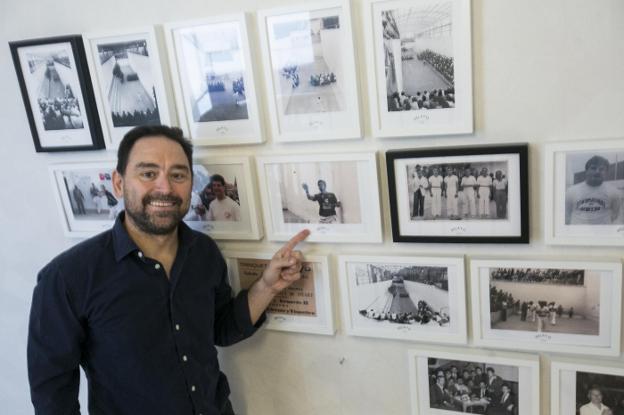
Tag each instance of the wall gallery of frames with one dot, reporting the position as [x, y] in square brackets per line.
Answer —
[302, 115]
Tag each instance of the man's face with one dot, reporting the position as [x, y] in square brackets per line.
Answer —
[595, 396]
[484, 172]
[499, 175]
[218, 189]
[322, 186]
[156, 186]
[435, 171]
[505, 390]
[595, 174]
[466, 172]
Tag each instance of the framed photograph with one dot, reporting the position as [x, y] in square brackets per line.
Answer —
[584, 193]
[305, 306]
[408, 298]
[555, 306]
[128, 81]
[85, 197]
[223, 199]
[419, 67]
[335, 196]
[444, 382]
[213, 76]
[309, 67]
[465, 194]
[56, 89]
[581, 389]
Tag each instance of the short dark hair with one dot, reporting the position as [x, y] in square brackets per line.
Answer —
[597, 161]
[217, 178]
[142, 131]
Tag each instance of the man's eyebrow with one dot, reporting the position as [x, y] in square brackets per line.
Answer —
[180, 167]
[146, 165]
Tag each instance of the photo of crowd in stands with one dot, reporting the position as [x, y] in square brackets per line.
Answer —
[215, 194]
[306, 60]
[458, 191]
[598, 393]
[418, 56]
[475, 387]
[87, 195]
[545, 300]
[213, 71]
[319, 192]
[594, 188]
[53, 85]
[128, 82]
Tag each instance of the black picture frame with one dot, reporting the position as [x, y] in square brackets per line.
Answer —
[67, 123]
[458, 231]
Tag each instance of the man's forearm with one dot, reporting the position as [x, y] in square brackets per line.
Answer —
[259, 298]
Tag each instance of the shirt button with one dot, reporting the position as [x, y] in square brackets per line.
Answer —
[140, 254]
[177, 327]
[192, 388]
[157, 266]
[184, 358]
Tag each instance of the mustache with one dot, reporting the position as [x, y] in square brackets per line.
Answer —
[159, 197]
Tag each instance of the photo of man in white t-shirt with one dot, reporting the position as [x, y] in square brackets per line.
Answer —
[222, 208]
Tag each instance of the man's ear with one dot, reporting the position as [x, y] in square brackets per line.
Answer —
[118, 183]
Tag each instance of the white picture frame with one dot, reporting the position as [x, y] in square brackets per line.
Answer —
[519, 371]
[237, 216]
[128, 81]
[564, 384]
[565, 185]
[230, 81]
[441, 287]
[443, 57]
[584, 319]
[312, 88]
[98, 215]
[291, 310]
[348, 210]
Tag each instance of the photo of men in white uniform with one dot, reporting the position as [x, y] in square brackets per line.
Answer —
[594, 191]
[484, 183]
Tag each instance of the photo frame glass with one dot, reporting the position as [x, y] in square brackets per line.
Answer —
[129, 82]
[539, 305]
[305, 306]
[447, 196]
[422, 67]
[409, 298]
[59, 103]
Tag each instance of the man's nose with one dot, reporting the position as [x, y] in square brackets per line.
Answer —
[163, 183]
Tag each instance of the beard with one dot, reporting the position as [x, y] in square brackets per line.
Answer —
[158, 223]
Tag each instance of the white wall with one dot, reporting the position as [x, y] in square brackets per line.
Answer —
[543, 71]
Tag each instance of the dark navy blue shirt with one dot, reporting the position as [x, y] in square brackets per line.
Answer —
[145, 342]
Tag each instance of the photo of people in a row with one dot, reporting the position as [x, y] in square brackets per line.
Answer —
[474, 387]
[475, 191]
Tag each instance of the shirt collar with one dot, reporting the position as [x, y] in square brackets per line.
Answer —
[123, 245]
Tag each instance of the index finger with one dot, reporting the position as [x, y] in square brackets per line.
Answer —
[299, 237]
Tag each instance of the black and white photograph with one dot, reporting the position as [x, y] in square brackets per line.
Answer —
[213, 74]
[310, 71]
[55, 85]
[444, 382]
[459, 191]
[418, 51]
[222, 198]
[470, 194]
[404, 297]
[420, 67]
[581, 389]
[87, 201]
[584, 193]
[335, 196]
[475, 387]
[562, 306]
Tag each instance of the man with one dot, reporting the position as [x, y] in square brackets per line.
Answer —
[435, 191]
[222, 207]
[419, 184]
[141, 306]
[595, 405]
[328, 202]
[593, 202]
[505, 405]
[494, 383]
[79, 198]
[451, 182]
[485, 185]
[500, 194]
[468, 182]
[439, 396]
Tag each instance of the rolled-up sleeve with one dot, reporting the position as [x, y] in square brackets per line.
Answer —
[55, 336]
